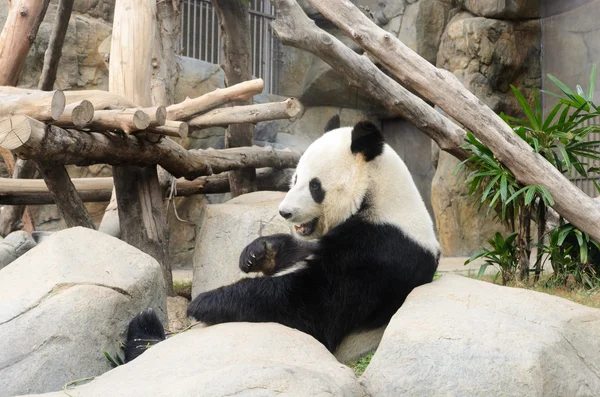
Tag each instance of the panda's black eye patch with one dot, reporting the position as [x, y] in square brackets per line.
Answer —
[316, 190]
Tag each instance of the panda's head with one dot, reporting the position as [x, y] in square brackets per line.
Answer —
[332, 178]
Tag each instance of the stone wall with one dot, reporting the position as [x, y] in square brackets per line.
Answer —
[570, 45]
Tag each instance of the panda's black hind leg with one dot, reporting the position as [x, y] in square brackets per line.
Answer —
[145, 330]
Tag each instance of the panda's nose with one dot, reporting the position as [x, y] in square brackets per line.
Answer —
[285, 214]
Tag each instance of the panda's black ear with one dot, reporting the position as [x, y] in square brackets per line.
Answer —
[333, 123]
[367, 139]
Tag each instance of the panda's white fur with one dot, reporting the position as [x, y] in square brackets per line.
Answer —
[346, 178]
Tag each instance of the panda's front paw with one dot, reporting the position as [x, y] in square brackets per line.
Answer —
[259, 255]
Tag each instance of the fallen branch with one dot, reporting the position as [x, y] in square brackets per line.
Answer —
[35, 192]
[41, 105]
[443, 88]
[32, 139]
[238, 92]
[361, 72]
[249, 114]
[78, 114]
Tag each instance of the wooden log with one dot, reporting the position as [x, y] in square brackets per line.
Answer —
[102, 100]
[65, 196]
[156, 114]
[238, 92]
[236, 55]
[19, 32]
[13, 218]
[78, 114]
[361, 72]
[35, 192]
[287, 109]
[41, 105]
[445, 90]
[177, 129]
[30, 138]
[128, 121]
[55, 45]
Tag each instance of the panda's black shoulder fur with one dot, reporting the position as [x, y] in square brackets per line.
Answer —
[355, 278]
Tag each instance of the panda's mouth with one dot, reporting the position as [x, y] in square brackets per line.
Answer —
[306, 229]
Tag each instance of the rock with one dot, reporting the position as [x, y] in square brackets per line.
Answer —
[64, 302]
[462, 229]
[503, 9]
[223, 232]
[197, 77]
[13, 246]
[229, 360]
[177, 313]
[459, 336]
[487, 56]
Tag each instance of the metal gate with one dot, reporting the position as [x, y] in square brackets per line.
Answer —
[200, 38]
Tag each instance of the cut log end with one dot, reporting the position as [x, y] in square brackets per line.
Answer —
[14, 131]
[141, 120]
[177, 129]
[161, 115]
[293, 107]
[82, 114]
[58, 104]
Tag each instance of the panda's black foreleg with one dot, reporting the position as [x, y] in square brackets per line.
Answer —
[275, 253]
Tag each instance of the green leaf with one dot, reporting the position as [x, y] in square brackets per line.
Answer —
[530, 195]
[551, 116]
[503, 187]
[562, 86]
[592, 83]
[516, 194]
[482, 270]
[549, 201]
[526, 108]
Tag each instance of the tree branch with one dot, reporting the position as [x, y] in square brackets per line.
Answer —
[55, 45]
[361, 72]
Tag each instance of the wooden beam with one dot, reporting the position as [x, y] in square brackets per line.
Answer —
[41, 105]
[32, 139]
[221, 96]
[445, 90]
[177, 129]
[35, 192]
[19, 32]
[287, 109]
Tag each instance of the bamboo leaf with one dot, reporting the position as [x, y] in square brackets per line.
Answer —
[526, 108]
[592, 83]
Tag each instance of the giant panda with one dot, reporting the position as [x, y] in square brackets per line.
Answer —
[363, 240]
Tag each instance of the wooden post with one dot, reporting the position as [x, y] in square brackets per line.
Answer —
[20, 29]
[12, 216]
[139, 198]
[55, 45]
[234, 24]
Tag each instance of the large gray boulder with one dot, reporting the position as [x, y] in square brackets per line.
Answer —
[503, 9]
[65, 301]
[229, 360]
[463, 337]
[223, 232]
[13, 246]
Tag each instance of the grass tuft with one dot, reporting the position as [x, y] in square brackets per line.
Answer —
[183, 288]
[359, 366]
